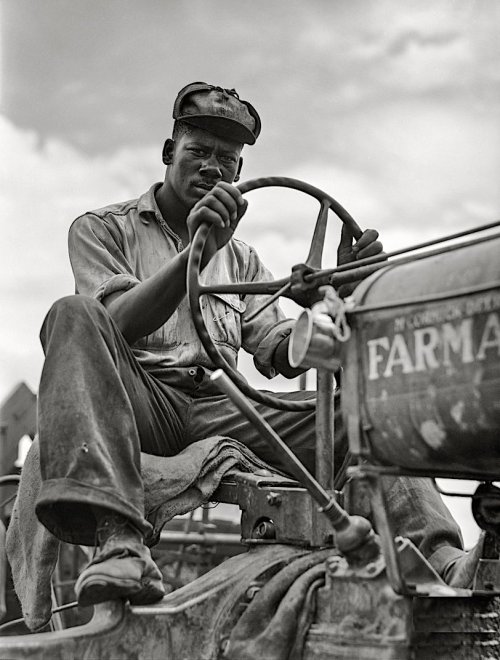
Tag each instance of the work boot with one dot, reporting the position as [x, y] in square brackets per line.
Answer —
[122, 567]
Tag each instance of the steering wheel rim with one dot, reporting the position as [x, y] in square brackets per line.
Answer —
[194, 287]
[308, 189]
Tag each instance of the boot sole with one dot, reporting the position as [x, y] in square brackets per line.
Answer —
[95, 589]
[151, 592]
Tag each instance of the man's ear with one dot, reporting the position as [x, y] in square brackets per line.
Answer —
[238, 171]
[168, 151]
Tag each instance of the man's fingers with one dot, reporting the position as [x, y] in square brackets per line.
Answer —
[242, 209]
[232, 190]
[222, 207]
[366, 246]
[217, 207]
[213, 204]
[345, 237]
[206, 214]
[234, 193]
[215, 213]
[227, 199]
[370, 250]
[367, 237]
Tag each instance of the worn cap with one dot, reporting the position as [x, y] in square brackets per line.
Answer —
[217, 110]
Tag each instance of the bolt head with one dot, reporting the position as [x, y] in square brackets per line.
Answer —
[274, 499]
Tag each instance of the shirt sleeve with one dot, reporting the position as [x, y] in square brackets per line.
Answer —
[262, 335]
[97, 257]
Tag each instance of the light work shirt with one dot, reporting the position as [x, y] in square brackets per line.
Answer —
[117, 247]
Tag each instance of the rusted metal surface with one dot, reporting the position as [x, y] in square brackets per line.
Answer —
[358, 615]
[188, 624]
[488, 575]
[456, 628]
[408, 572]
[80, 642]
[426, 388]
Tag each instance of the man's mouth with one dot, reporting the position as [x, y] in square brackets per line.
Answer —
[204, 185]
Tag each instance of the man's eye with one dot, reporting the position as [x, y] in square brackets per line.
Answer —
[197, 152]
[228, 160]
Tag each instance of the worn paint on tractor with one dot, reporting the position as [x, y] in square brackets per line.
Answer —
[428, 338]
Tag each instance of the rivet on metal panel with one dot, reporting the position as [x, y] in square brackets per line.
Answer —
[274, 499]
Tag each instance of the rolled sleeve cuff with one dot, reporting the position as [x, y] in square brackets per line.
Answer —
[116, 283]
[263, 357]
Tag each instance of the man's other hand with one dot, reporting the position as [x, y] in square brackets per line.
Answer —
[222, 207]
[366, 246]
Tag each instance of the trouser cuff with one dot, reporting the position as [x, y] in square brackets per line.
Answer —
[443, 557]
[64, 507]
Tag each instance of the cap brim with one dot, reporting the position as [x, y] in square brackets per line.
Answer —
[221, 126]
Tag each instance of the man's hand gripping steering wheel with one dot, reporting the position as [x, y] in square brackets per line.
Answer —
[221, 209]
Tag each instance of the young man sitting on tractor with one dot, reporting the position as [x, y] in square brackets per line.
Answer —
[125, 371]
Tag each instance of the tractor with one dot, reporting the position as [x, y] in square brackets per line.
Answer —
[417, 348]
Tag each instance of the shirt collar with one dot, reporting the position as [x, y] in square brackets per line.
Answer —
[147, 206]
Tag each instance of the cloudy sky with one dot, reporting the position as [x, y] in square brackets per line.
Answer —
[392, 107]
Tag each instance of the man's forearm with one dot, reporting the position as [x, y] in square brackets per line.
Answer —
[147, 306]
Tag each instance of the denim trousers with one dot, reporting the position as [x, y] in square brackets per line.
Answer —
[98, 409]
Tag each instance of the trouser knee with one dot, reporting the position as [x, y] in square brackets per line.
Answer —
[75, 305]
[72, 315]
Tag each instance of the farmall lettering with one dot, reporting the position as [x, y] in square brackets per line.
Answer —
[432, 383]
[465, 332]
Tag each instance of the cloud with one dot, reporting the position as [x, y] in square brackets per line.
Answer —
[45, 186]
[297, 63]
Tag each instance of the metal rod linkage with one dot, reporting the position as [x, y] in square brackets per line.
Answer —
[380, 260]
[335, 513]
[325, 464]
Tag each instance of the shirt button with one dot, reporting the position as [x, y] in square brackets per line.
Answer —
[192, 372]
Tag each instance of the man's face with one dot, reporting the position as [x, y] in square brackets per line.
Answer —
[199, 161]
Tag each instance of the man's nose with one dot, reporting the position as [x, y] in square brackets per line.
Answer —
[211, 166]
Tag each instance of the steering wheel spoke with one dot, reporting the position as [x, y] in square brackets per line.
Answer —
[275, 296]
[315, 256]
[254, 288]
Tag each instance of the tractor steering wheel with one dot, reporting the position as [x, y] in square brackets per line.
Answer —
[196, 289]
